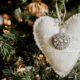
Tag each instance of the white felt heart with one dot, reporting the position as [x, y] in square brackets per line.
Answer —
[45, 28]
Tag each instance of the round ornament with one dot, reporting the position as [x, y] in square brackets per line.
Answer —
[37, 9]
[61, 41]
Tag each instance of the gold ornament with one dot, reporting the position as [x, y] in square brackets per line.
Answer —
[7, 20]
[6, 16]
[9, 2]
[37, 9]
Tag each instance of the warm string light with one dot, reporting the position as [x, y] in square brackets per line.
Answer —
[6, 31]
[36, 0]
[40, 57]
[5, 20]
[1, 20]
[38, 76]
[20, 19]
[21, 70]
[4, 79]
[9, 2]
[30, 23]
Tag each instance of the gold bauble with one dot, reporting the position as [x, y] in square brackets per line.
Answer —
[37, 9]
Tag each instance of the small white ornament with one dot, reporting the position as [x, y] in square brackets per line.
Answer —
[63, 53]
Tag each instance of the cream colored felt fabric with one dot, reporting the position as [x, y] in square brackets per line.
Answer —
[62, 61]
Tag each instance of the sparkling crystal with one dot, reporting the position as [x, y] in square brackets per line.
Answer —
[61, 41]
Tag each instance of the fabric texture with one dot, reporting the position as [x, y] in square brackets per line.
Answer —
[62, 61]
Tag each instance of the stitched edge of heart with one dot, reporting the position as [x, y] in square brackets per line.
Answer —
[37, 42]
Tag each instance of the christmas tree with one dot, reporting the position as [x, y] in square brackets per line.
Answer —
[20, 58]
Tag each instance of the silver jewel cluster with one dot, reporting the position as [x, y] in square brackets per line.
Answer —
[61, 41]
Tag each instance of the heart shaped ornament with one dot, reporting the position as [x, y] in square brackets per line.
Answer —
[60, 42]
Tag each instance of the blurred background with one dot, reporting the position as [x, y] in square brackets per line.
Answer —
[20, 58]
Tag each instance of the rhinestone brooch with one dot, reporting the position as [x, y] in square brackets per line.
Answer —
[61, 41]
